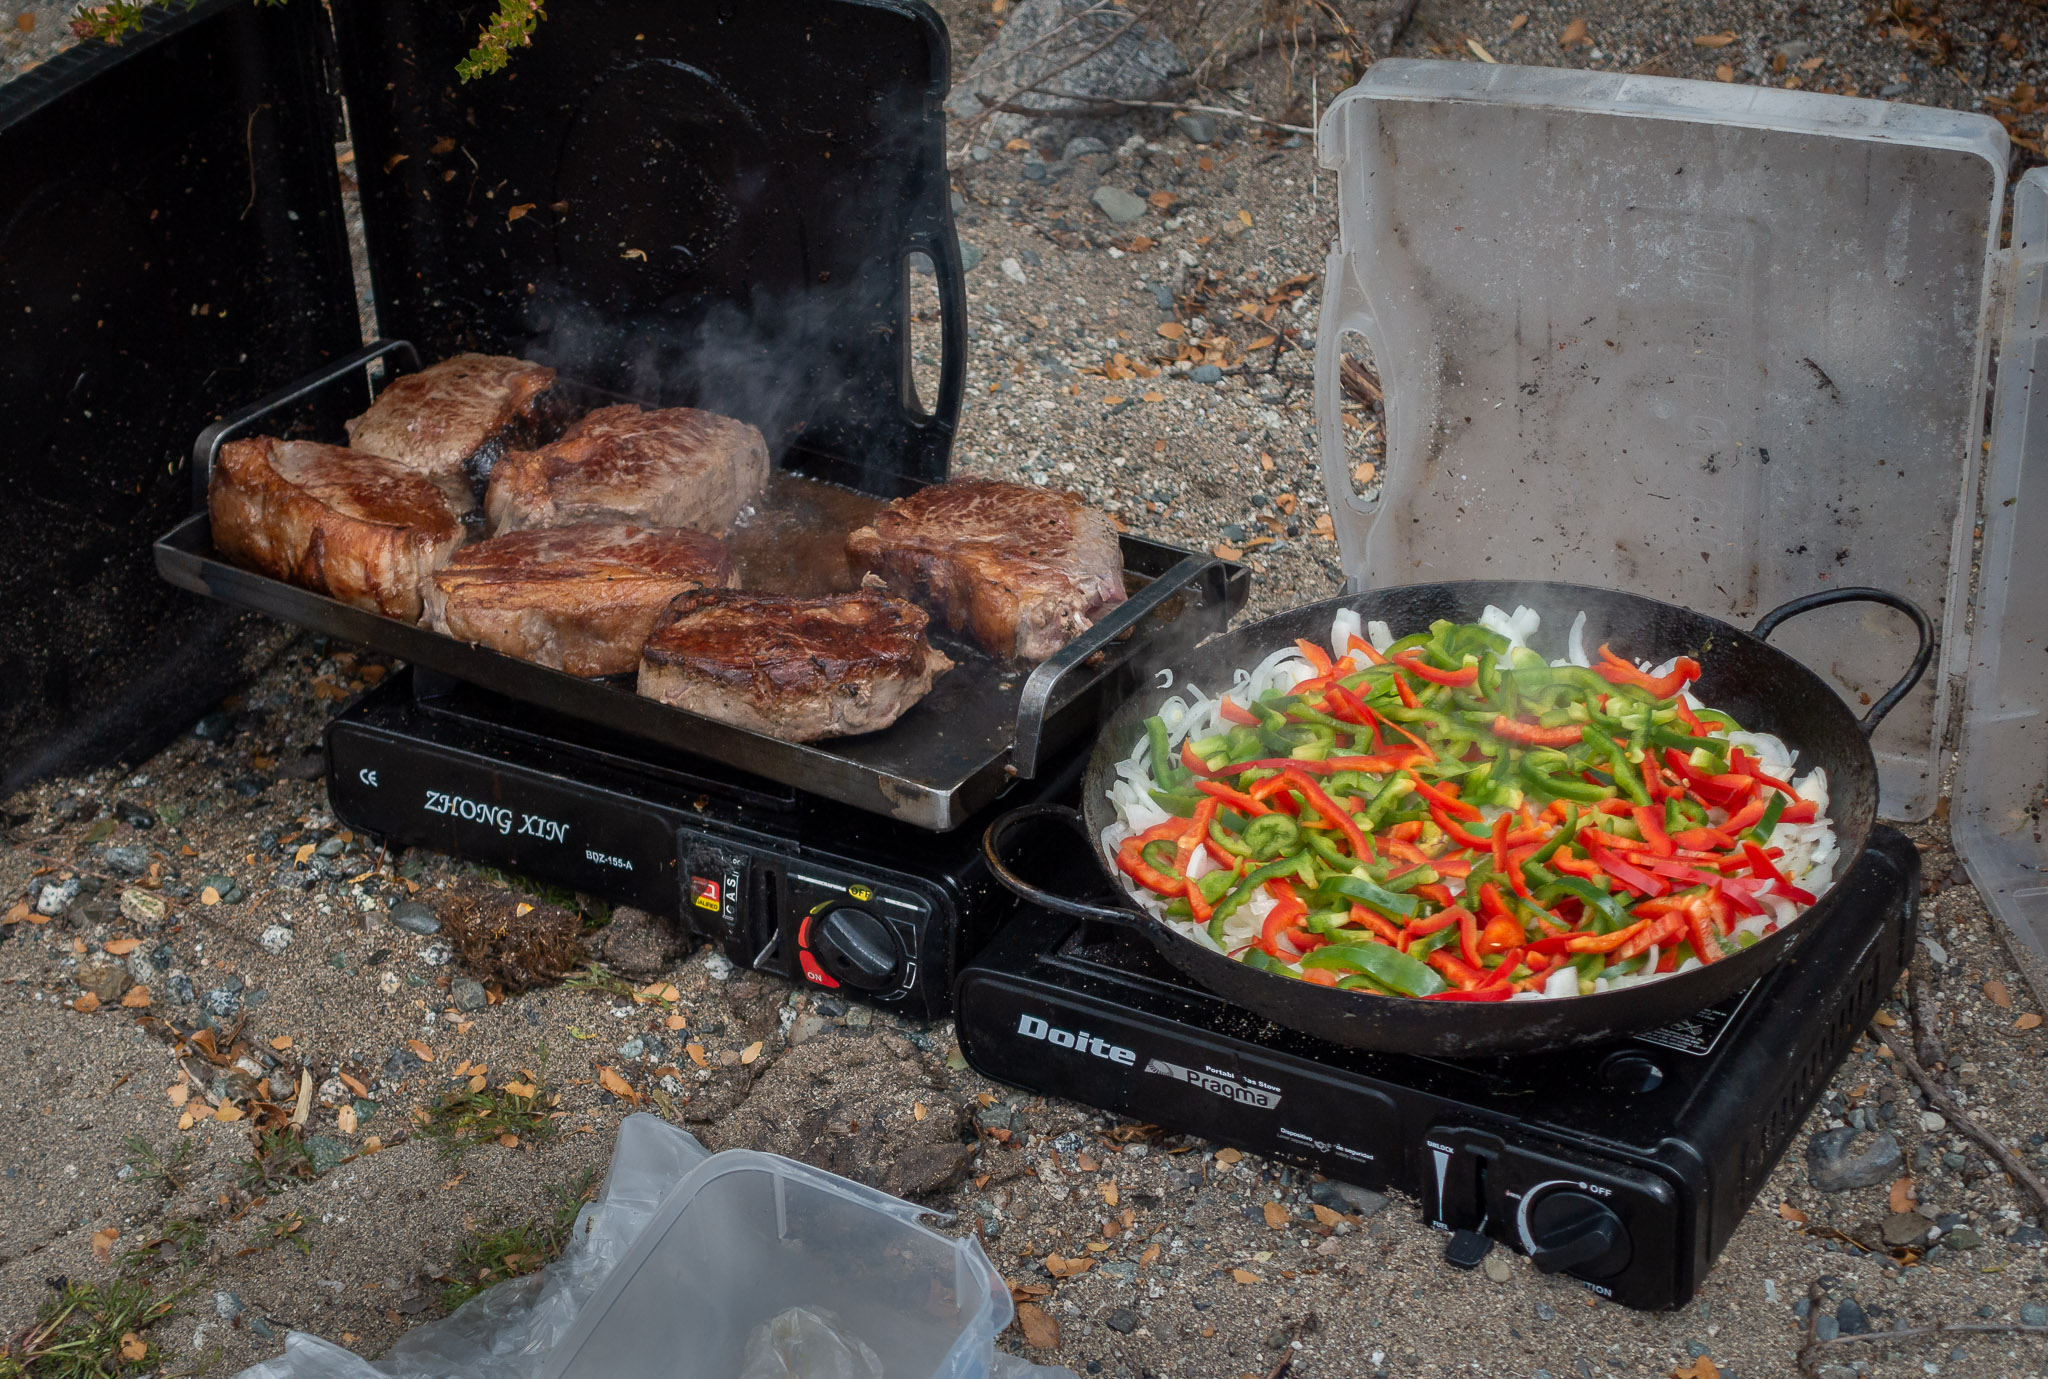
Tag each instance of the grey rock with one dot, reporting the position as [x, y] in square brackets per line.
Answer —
[276, 938]
[469, 994]
[56, 897]
[2027, 1235]
[633, 1048]
[181, 988]
[1233, 532]
[806, 1028]
[1082, 147]
[1496, 1267]
[215, 727]
[1123, 1321]
[1851, 1318]
[134, 815]
[1961, 1238]
[1835, 1162]
[1032, 171]
[402, 1063]
[436, 954]
[1119, 205]
[248, 787]
[224, 886]
[331, 847]
[1348, 1198]
[1545, 1312]
[414, 918]
[639, 944]
[127, 860]
[1206, 373]
[108, 981]
[970, 254]
[1906, 1229]
[1949, 1220]
[1826, 1328]
[303, 766]
[1198, 129]
[1135, 64]
[150, 965]
[260, 1328]
[227, 1306]
[1163, 295]
[326, 1153]
[223, 1001]
[2034, 1313]
[1698, 1348]
[1954, 1161]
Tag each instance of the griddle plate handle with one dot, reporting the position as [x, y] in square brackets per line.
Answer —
[993, 844]
[206, 449]
[1886, 702]
[1036, 701]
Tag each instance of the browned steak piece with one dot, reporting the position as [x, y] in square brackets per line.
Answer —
[453, 420]
[678, 467]
[797, 669]
[580, 599]
[1023, 570]
[356, 527]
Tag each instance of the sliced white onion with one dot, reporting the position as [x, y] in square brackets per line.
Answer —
[1379, 634]
[1346, 625]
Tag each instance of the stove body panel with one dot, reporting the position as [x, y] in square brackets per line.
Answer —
[1628, 1166]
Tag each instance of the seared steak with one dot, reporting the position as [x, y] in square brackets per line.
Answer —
[453, 420]
[355, 527]
[797, 669]
[1023, 570]
[678, 467]
[580, 599]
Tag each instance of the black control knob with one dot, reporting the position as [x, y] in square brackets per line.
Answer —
[857, 949]
[1569, 1230]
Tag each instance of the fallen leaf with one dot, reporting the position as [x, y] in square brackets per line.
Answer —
[1574, 32]
[1016, 145]
[1325, 527]
[1480, 52]
[1261, 343]
[753, 1051]
[523, 1089]
[696, 1052]
[640, 254]
[1041, 1332]
[1902, 1195]
[372, 1144]
[1276, 1215]
[677, 1021]
[1223, 550]
[1702, 1368]
[394, 160]
[1518, 22]
[281, 1042]
[1151, 1254]
[1724, 73]
[1719, 40]
[1244, 1276]
[1162, 199]
[103, 1243]
[228, 1112]
[1155, 397]
[1884, 1017]
[305, 851]
[136, 999]
[1227, 1156]
[519, 212]
[86, 1003]
[17, 912]
[133, 1348]
[353, 1085]
[209, 896]
[444, 144]
[1098, 1246]
[121, 947]
[345, 1120]
[1811, 64]
[426, 1054]
[1172, 330]
[1112, 400]
[1995, 992]
[1244, 218]
[2027, 1021]
[185, 1121]
[1066, 1268]
[1326, 1216]
[1109, 1193]
[1791, 1213]
[617, 1086]
[918, 1111]
[179, 1093]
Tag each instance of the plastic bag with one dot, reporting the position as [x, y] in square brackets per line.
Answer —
[803, 1344]
[509, 1332]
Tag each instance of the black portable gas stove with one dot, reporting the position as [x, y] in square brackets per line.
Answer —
[1625, 1166]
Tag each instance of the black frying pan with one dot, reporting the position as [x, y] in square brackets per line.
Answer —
[1762, 687]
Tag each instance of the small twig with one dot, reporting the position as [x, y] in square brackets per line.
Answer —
[1396, 25]
[1809, 1353]
[1808, 1359]
[1943, 1102]
[1120, 101]
[249, 143]
[1926, 1012]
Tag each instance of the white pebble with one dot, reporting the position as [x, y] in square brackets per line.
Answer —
[1931, 1121]
[1013, 270]
[276, 938]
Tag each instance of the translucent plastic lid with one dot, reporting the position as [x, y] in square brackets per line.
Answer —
[2002, 777]
[1715, 344]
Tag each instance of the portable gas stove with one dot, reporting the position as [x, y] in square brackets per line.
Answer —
[1626, 1166]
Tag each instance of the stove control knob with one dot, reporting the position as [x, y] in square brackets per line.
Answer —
[856, 948]
[1568, 1230]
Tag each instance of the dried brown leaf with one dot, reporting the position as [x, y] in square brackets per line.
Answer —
[1995, 992]
[1574, 32]
[1041, 1331]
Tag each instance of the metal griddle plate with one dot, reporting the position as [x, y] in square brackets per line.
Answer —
[982, 723]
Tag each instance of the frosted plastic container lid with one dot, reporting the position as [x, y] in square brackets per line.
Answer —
[1719, 345]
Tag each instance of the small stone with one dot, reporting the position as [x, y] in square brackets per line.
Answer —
[2034, 1313]
[469, 994]
[1119, 205]
[1826, 1328]
[108, 982]
[2028, 1235]
[1082, 147]
[134, 815]
[1348, 1198]
[436, 954]
[248, 787]
[1014, 271]
[1496, 1267]
[181, 988]
[402, 1063]
[1905, 1229]
[261, 1329]
[1206, 373]
[304, 766]
[276, 938]
[970, 254]
[1949, 1220]
[224, 1000]
[1954, 1161]
[1199, 129]
[1851, 1318]
[149, 965]
[1932, 1122]
[414, 918]
[128, 860]
[806, 1028]
[56, 898]
[1032, 171]
[227, 1306]
[1833, 1166]
[214, 727]
[1961, 1238]
[326, 1153]
[1233, 532]
[1698, 1348]
[1545, 1312]
[223, 886]
[1123, 1321]
[633, 1048]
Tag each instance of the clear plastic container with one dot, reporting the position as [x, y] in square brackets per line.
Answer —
[744, 1237]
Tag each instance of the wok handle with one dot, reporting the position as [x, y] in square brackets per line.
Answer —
[1035, 703]
[1889, 700]
[992, 844]
[206, 449]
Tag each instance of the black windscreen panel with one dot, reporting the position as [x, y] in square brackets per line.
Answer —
[171, 246]
[691, 202]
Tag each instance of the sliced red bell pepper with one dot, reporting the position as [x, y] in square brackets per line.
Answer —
[1383, 764]
[1436, 893]
[1379, 924]
[1468, 936]
[1615, 671]
[1451, 866]
[1465, 976]
[1804, 812]
[1130, 857]
[1452, 805]
[1192, 760]
[1318, 976]
[1229, 711]
[1654, 934]
[1686, 716]
[1287, 910]
[1456, 679]
[1749, 816]
[1489, 993]
[1501, 934]
[1366, 649]
[1408, 698]
[1315, 655]
[1361, 846]
[1605, 943]
[1429, 924]
[1535, 735]
[1498, 842]
[1339, 702]
[1704, 839]
[1478, 842]
[1637, 880]
[1571, 864]
[1232, 796]
[1428, 752]
[1651, 822]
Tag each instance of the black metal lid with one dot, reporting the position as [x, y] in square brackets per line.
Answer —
[171, 244]
[707, 204]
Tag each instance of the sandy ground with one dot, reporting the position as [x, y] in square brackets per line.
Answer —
[325, 982]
